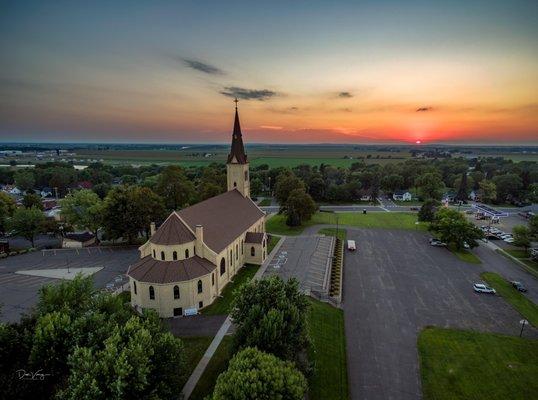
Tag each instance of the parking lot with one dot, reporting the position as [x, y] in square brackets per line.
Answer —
[395, 285]
[18, 293]
[306, 258]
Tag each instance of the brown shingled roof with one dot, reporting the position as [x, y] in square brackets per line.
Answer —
[155, 271]
[172, 231]
[223, 217]
[254, 237]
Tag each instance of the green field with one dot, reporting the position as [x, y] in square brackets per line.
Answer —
[462, 365]
[393, 220]
[273, 240]
[327, 352]
[221, 306]
[217, 365]
[465, 255]
[519, 301]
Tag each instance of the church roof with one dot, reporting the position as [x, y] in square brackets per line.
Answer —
[172, 231]
[254, 237]
[238, 150]
[156, 271]
[224, 218]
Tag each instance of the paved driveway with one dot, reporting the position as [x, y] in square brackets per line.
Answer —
[395, 285]
[18, 293]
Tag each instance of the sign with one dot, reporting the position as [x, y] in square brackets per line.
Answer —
[190, 312]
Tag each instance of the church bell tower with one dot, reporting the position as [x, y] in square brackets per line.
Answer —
[237, 165]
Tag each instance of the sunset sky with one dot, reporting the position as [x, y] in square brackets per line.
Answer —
[314, 71]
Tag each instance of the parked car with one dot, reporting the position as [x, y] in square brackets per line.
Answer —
[466, 245]
[518, 286]
[414, 208]
[351, 246]
[481, 288]
[437, 242]
[509, 240]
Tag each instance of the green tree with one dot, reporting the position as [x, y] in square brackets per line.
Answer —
[256, 186]
[508, 186]
[428, 209]
[24, 179]
[207, 190]
[270, 314]
[522, 236]
[32, 200]
[430, 186]
[299, 207]
[533, 225]
[453, 228]
[61, 177]
[253, 374]
[101, 189]
[129, 210]
[392, 182]
[175, 188]
[27, 222]
[488, 191]
[463, 189]
[287, 183]
[83, 209]
[7, 207]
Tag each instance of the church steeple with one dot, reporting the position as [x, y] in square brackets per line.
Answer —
[237, 152]
[237, 166]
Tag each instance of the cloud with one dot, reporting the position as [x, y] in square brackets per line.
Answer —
[345, 95]
[202, 67]
[271, 127]
[423, 109]
[248, 94]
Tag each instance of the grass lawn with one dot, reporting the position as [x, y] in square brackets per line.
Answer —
[195, 348]
[272, 243]
[265, 202]
[461, 365]
[327, 352]
[217, 365]
[517, 253]
[332, 232]
[518, 300]
[465, 255]
[221, 306]
[388, 220]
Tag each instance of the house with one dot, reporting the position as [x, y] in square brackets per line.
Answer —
[449, 197]
[78, 240]
[402, 195]
[474, 196]
[196, 252]
[46, 192]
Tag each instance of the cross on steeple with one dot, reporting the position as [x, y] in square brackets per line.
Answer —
[236, 101]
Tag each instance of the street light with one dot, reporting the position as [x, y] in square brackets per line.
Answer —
[523, 322]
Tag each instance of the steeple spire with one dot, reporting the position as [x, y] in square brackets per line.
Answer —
[237, 150]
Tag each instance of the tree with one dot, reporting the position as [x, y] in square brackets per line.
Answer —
[27, 222]
[285, 184]
[7, 207]
[32, 200]
[24, 179]
[522, 236]
[101, 189]
[427, 210]
[430, 186]
[256, 186]
[270, 314]
[83, 209]
[462, 189]
[488, 191]
[253, 374]
[207, 190]
[174, 187]
[299, 207]
[533, 225]
[452, 228]
[129, 210]
[61, 177]
[508, 186]
[391, 183]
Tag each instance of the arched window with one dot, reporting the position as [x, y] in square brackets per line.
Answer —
[200, 287]
[162, 255]
[242, 248]
[134, 286]
[235, 184]
[186, 253]
[246, 175]
[174, 255]
[212, 279]
[236, 251]
[151, 293]
[176, 292]
[222, 266]
[231, 258]
[252, 251]
[154, 256]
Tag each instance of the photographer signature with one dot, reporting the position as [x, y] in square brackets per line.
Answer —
[31, 376]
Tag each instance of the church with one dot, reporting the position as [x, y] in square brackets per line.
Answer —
[196, 252]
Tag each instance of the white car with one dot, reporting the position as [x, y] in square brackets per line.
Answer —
[505, 236]
[481, 288]
[509, 240]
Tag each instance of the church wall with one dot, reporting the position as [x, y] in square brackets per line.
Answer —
[169, 250]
